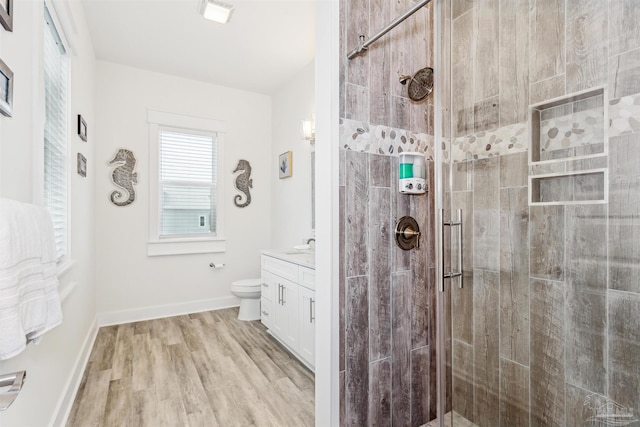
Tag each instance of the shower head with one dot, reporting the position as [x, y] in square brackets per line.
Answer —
[420, 84]
[404, 79]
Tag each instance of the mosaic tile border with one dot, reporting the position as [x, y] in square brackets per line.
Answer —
[624, 115]
[505, 140]
[571, 131]
[378, 139]
[624, 118]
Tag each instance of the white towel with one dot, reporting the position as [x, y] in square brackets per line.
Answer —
[29, 298]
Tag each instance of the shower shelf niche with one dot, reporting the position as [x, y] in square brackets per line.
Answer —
[568, 149]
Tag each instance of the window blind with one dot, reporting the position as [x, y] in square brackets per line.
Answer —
[188, 183]
[56, 69]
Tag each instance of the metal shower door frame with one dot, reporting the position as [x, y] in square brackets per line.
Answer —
[443, 97]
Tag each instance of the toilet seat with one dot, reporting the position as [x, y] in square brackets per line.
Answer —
[246, 283]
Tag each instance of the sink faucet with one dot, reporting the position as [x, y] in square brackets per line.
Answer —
[311, 240]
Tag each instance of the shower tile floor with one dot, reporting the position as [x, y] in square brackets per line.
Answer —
[203, 369]
[458, 421]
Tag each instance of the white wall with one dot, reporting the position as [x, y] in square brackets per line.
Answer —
[132, 285]
[53, 367]
[327, 82]
[291, 197]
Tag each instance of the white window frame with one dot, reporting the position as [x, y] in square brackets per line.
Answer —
[67, 262]
[189, 244]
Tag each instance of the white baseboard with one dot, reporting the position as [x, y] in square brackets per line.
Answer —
[71, 387]
[169, 310]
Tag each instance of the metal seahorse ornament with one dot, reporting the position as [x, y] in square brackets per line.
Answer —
[124, 177]
[243, 183]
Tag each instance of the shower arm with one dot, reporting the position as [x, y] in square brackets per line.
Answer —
[364, 45]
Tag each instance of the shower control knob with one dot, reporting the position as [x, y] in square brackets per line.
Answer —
[409, 186]
[419, 186]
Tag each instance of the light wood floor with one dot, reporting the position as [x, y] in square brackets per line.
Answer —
[204, 369]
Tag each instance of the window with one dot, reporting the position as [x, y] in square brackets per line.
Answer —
[56, 184]
[188, 181]
[185, 185]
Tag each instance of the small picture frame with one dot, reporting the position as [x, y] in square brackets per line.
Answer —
[6, 14]
[285, 164]
[82, 165]
[6, 89]
[82, 128]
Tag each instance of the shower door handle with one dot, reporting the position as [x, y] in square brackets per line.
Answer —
[452, 274]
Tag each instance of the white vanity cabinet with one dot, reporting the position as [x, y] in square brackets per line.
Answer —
[288, 306]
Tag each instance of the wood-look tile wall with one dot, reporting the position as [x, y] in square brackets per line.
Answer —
[507, 54]
[370, 89]
[551, 319]
[387, 298]
[387, 295]
[545, 331]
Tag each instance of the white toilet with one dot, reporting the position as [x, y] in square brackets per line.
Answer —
[248, 290]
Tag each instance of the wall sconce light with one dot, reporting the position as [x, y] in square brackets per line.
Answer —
[217, 11]
[309, 129]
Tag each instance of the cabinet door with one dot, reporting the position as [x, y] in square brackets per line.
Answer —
[268, 290]
[278, 310]
[290, 303]
[285, 312]
[307, 322]
[267, 304]
[265, 312]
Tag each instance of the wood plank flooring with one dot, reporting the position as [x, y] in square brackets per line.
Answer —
[204, 369]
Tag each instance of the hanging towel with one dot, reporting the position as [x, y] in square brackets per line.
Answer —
[29, 299]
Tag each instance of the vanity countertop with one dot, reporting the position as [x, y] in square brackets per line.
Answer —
[305, 258]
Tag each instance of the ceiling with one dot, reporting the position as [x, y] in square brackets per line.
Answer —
[263, 46]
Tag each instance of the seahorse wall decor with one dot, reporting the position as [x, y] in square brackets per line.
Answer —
[124, 177]
[243, 183]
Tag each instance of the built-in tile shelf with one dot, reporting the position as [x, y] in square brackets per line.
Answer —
[568, 135]
[588, 187]
[569, 127]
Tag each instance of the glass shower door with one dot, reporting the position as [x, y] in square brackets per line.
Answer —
[542, 157]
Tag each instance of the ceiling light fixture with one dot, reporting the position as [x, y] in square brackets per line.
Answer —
[217, 11]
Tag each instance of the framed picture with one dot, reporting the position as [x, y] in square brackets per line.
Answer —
[82, 128]
[82, 165]
[6, 89]
[6, 14]
[285, 164]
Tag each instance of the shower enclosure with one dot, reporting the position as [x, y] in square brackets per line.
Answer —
[522, 305]
[540, 114]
